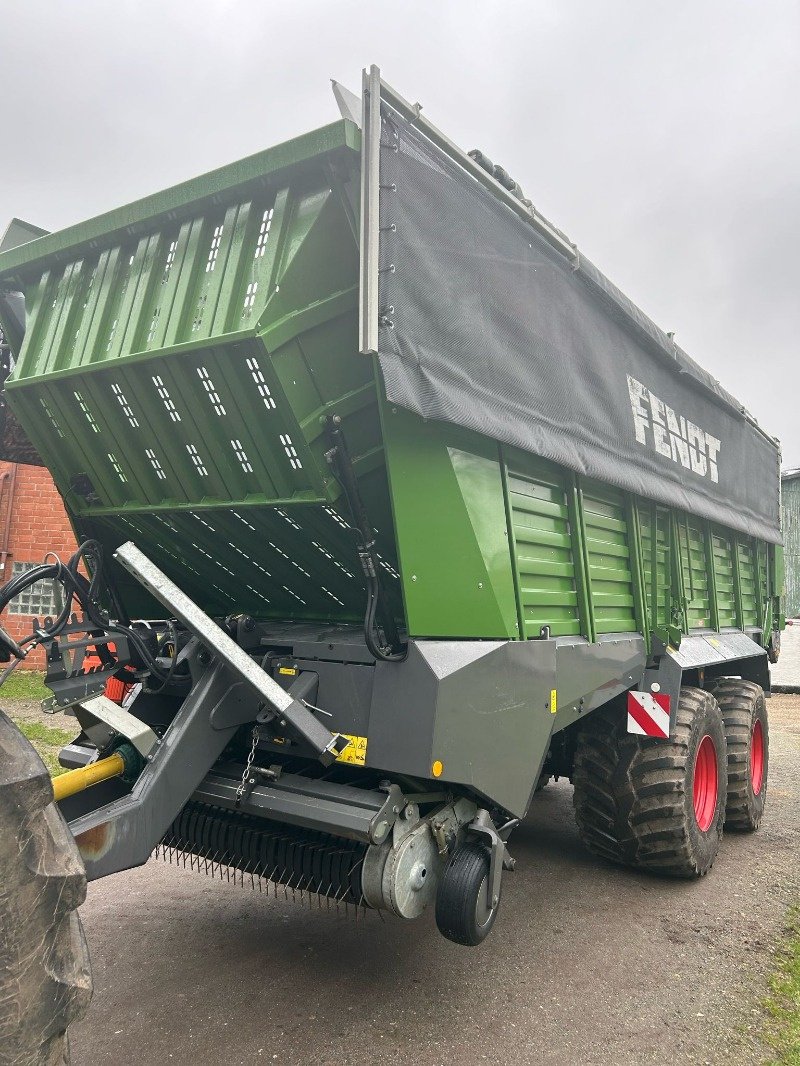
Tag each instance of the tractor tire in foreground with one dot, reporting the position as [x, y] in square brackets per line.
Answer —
[744, 712]
[654, 804]
[45, 980]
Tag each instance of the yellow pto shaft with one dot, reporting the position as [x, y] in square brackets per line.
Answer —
[77, 780]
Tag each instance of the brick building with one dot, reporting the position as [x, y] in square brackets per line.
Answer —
[32, 522]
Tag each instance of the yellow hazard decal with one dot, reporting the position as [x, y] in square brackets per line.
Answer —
[355, 752]
[287, 670]
[553, 700]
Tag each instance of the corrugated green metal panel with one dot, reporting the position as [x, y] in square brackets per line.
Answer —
[542, 546]
[691, 537]
[722, 542]
[218, 273]
[748, 580]
[658, 582]
[295, 562]
[337, 141]
[177, 380]
[210, 425]
[609, 561]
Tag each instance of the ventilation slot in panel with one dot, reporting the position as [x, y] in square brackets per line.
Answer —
[199, 465]
[166, 399]
[156, 465]
[263, 234]
[126, 407]
[241, 455]
[291, 452]
[86, 411]
[263, 389]
[211, 392]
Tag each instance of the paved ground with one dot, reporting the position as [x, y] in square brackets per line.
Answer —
[587, 964]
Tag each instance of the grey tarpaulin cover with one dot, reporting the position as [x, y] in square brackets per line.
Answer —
[496, 331]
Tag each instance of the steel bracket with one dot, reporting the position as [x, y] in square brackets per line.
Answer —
[227, 651]
[123, 722]
[499, 857]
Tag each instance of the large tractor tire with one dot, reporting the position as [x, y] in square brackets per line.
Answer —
[650, 803]
[744, 712]
[45, 980]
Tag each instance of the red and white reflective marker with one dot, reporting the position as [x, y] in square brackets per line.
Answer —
[648, 714]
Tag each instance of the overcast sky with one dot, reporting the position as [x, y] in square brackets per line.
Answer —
[662, 135]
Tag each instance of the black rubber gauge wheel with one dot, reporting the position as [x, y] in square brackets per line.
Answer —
[744, 712]
[463, 914]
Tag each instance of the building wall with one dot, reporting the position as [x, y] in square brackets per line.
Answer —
[33, 515]
[791, 539]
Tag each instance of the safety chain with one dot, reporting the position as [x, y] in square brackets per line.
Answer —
[248, 765]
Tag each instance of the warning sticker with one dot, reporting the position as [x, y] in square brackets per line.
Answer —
[355, 752]
[553, 700]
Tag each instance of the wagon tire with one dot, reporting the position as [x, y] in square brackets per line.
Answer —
[744, 712]
[651, 803]
[462, 911]
[45, 978]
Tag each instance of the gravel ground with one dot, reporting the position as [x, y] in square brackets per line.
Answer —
[587, 963]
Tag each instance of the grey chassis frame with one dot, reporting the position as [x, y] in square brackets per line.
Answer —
[483, 709]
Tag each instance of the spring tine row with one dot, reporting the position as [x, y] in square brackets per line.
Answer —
[267, 855]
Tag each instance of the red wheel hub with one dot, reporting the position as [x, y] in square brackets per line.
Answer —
[705, 783]
[757, 758]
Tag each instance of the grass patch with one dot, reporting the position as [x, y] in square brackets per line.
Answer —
[25, 685]
[783, 1003]
[47, 741]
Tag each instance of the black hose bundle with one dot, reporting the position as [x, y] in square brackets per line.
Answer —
[76, 587]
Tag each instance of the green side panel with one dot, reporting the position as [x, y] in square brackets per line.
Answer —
[691, 538]
[451, 530]
[722, 541]
[656, 548]
[609, 556]
[543, 551]
[749, 582]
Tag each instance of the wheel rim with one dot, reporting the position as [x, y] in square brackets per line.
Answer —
[757, 758]
[483, 912]
[705, 783]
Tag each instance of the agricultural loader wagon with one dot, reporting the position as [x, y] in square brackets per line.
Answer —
[390, 507]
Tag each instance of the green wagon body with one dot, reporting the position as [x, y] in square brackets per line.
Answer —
[179, 358]
[180, 362]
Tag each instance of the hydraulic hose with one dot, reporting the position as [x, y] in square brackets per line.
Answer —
[86, 592]
[377, 608]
